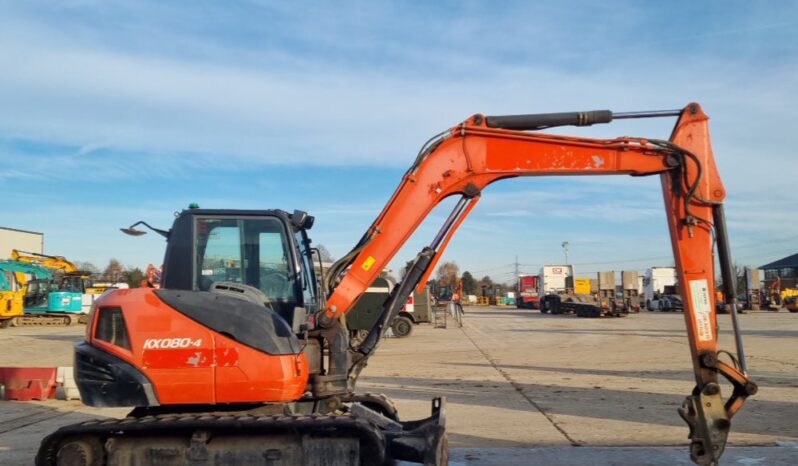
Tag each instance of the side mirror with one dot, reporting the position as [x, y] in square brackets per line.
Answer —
[302, 220]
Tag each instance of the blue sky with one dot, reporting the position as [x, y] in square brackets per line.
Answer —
[118, 111]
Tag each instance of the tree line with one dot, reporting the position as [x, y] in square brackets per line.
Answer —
[114, 272]
[448, 274]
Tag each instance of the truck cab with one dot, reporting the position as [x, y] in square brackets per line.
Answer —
[527, 289]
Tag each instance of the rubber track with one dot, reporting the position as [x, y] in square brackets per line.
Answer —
[45, 320]
[372, 442]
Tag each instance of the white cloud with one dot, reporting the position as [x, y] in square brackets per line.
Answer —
[320, 113]
[154, 90]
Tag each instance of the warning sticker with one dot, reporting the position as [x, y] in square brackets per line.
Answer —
[368, 263]
[699, 291]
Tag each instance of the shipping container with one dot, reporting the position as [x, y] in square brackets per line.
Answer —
[582, 285]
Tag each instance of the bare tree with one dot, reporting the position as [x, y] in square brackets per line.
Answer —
[114, 271]
[86, 267]
[324, 253]
[447, 274]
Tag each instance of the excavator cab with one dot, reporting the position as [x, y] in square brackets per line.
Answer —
[76, 282]
[262, 255]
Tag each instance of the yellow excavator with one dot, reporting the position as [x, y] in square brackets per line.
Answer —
[58, 302]
[22, 286]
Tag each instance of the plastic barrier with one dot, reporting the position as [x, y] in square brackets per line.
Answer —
[28, 383]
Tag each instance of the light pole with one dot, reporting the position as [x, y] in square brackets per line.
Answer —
[565, 249]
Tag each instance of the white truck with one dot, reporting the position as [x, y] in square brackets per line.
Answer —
[656, 282]
[558, 296]
[554, 280]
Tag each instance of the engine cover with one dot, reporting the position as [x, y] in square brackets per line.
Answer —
[196, 347]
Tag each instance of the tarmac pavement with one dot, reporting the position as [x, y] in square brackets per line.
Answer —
[522, 388]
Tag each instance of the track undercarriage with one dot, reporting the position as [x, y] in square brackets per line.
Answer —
[44, 319]
[364, 431]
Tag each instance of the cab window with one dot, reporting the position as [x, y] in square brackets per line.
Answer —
[253, 251]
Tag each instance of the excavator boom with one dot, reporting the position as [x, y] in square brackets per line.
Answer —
[470, 156]
[466, 158]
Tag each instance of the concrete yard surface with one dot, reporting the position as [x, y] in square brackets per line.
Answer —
[521, 387]
[779, 455]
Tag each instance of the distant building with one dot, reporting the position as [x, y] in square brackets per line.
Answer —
[785, 268]
[11, 238]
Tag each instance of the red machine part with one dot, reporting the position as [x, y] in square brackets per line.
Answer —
[152, 277]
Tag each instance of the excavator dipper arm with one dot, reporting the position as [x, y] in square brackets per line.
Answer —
[466, 158]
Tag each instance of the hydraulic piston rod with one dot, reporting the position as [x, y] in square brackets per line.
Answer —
[649, 114]
[536, 121]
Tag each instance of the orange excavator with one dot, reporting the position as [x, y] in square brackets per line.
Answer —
[152, 277]
[243, 358]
